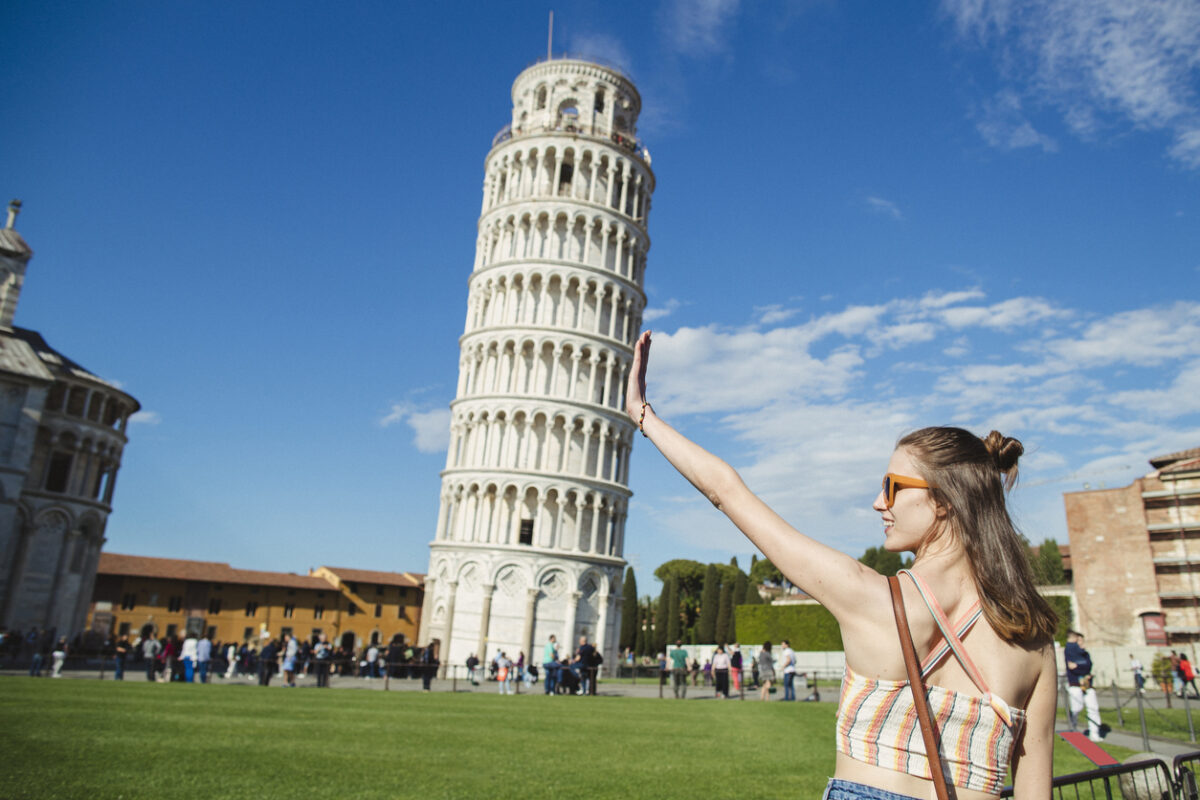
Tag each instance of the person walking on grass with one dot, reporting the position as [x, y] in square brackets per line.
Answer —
[766, 671]
[788, 657]
[943, 499]
[679, 670]
[720, 672]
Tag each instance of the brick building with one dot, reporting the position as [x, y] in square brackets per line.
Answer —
[1135, 555]
[351, 607]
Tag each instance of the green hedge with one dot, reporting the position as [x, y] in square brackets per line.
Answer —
[807, 627]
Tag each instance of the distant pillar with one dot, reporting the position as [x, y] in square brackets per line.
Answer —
[527, 629]
[572, 611]
[485, 616]
[423, 635]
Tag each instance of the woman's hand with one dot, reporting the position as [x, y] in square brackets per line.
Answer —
[635, 389]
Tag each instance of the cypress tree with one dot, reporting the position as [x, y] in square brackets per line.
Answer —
[674, 628]
[706, 627]
[629, 610]
[642, 615]
[739, 596]
[661, 612]
[753, 598]
[725, 616]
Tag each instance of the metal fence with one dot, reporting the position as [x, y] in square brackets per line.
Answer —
[1141, 780]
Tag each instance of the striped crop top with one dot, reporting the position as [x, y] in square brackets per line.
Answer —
[877, 720]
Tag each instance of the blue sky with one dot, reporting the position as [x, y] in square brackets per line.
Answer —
[259, 219]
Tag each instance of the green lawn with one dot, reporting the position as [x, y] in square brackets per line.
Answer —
[1170, 723]
[104, 739]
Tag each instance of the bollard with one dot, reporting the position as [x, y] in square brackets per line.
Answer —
[453, 677]
[387, 678]
[1117, 704]
[662, 679]
[741, 684]
[1142, 717]
[101, 667]
[1187, 708]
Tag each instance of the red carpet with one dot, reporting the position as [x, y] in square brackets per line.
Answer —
[1089, 748]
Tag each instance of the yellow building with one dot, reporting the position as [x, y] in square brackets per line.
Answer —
[351, 607]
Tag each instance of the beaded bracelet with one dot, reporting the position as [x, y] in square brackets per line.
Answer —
[642, 419]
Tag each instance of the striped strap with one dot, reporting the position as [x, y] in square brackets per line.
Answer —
[943, 624]
[965, 624]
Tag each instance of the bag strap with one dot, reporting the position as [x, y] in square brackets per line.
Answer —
[917, 685]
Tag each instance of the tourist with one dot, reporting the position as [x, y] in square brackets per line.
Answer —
[1188, 674]
[322, 655]
[943, 499]
[735, 666]
[679, 670]
[120, 651]
[429, 664]
[472, 667]
[766, 670]
[1176, 675]
[204, 649]
[788, 658]
[550, 663]
[150, 652]
[1080, 693]
[266, 662]
[587, 665]
[720, 672]
[231, 660]
[503, 672]
[1139, 677]
[60, 656]
[291, 651]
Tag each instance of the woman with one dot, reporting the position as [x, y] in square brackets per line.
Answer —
[766, 671]
[720, 671]
[943, 500]
[735, 667]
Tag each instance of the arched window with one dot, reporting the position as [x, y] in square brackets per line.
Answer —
[541, 98]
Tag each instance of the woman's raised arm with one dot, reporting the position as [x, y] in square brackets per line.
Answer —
[833, 578]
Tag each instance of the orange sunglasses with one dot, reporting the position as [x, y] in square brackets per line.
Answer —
[893, 482]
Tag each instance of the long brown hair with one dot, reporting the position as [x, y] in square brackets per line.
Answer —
[968, 477]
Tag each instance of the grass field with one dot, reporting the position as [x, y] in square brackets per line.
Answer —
[104, 739]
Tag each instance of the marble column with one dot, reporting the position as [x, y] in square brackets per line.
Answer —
[600, 642]
[527, 628]
[485, 618]
[444, 655]
[568, 638]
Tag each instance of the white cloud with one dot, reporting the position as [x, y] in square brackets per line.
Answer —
[1144, 336]
[774, 314]
[1002, 123]
[698, 27]
[1007, 314]
[885, 207]
[145, 418]
[1181, 397]
[431, 429]
[658, 312]
[603, 48]
[1094, 60]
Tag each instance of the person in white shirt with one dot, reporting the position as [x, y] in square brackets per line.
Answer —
[788, 657]
[1139, 678]
[188, 656]
[203, 656]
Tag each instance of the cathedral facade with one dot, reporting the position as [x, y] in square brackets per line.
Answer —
[531, 527]
[62, 435]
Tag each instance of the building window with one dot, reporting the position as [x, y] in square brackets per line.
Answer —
[247, 633]
[174, 604]
[352, 610]
[58, 393]
[76, 401]
[353, 587]
[123, 629]
[128, 601]
[378, 590]
[320, 594]
[526, 536]
[318, 611]
[400, 613]
[59, 472]
[251, 608]
[172, 630]
[285, 632]
[379, 609]
[212, 632]
[316, 632]
[289, 609]
[214, 605]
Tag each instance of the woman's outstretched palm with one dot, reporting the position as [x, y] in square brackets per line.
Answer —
[635, 389]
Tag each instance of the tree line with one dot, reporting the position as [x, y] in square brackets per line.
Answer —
[697, 601]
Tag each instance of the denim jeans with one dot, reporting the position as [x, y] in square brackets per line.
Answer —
[848, 790]
[789, 686]
[551, 669]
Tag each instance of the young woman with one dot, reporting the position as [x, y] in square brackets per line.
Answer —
[992, 690]
[766, 671]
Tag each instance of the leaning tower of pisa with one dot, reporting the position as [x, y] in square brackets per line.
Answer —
[531, 529]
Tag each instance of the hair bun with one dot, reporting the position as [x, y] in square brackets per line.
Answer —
[1005, 450]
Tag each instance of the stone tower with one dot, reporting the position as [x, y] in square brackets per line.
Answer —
[62, 436]
[531, 529]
